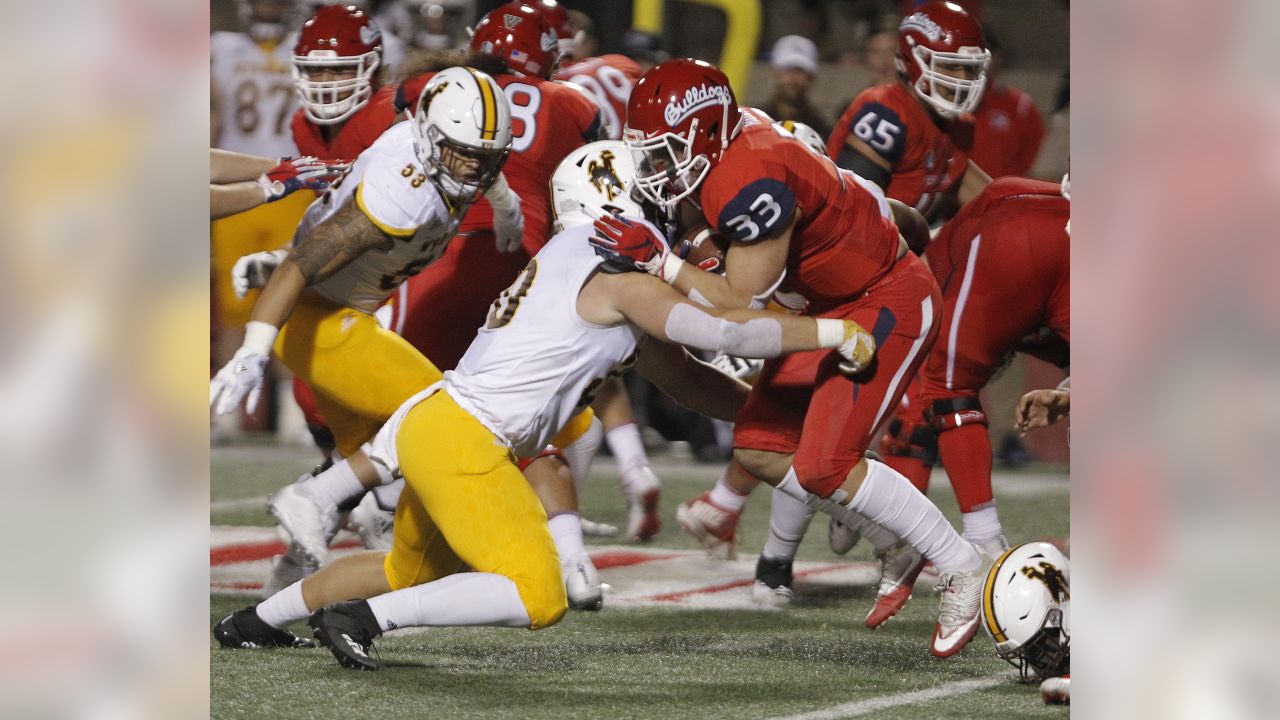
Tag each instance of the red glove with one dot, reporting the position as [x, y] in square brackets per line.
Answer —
[298, 173]
[633, 245]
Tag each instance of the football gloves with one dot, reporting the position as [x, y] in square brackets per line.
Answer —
[294, 174]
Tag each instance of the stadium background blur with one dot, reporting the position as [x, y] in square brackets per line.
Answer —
[104, 369]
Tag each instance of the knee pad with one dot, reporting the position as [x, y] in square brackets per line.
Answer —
[949, 413]
[912, 440]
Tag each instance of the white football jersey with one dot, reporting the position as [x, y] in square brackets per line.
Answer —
[536, 363]
[392, 188]
[254, 94]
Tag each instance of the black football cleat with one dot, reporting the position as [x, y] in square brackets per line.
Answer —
[772, 587]
[243, 629]
[348, 630]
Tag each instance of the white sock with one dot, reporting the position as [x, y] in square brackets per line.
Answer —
[461, 599]
[284, 607]
[982, 526]
[788, 520]
[880, 538]
[888, 498]
[626, 446]
[582, 451]
[726, 497]
[333, 486]
[566, 530]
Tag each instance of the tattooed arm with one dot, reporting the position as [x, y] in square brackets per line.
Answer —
[329, 247]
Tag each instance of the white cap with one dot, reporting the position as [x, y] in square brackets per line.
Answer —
[794, 51]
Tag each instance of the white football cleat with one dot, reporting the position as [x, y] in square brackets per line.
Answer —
[900, 565]
[960, 608]
[582, 584]
[287, 569]
[713, 526]
[841, 537]
[644, 488]
[373, 524]
[771, 597]
[1056, 690]
[308, 524]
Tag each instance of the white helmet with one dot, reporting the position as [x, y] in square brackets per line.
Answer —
[1026, 608]
[598, 176]
[806, 135]
[462, 113]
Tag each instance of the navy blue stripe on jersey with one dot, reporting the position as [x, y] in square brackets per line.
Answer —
[760, 210]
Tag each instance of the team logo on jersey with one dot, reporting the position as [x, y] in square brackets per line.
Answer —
[1052, 577]
[694, 100]
[511, 21]
[370, 35]
[603, 176]
[922, 23]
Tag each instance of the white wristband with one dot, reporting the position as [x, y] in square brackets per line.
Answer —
[830, 332]
[671, 266]
[259, 337]
[268, 193]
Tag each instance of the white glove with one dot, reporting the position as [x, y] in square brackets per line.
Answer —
[736, 367]
[243, 374]
[252, 271]
[858, 349]
[509, 229]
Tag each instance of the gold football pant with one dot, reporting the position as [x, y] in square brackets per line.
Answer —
[465, 501]
[360, 372]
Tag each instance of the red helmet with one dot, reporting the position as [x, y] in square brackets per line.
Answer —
[520, 37]
[340, 39]
[561, 24]
[680, 118]
[944, 56]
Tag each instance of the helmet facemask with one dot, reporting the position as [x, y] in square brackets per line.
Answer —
[951, 96]
[444, 159]
[328, 102]
[667, 171]
[1044, 654]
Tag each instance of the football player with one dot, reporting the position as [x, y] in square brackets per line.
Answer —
[403, 199]
[912, 137]
[798, 223]
[579, 311]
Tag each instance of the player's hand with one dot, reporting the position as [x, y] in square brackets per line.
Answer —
[252, 271]
[508, 228]
[857, 350]
[630, 245]
[294, 174]
[1042, 408]
[736, 367]
[240, 377]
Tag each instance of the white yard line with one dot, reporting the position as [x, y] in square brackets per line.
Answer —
[238, 504]
[877, 704]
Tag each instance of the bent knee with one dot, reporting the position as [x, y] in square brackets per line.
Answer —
[545, 604]
[764, 464]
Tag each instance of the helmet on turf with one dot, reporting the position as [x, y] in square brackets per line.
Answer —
[944, 56]
[806, 135]
[520, 37]
[680, 118]
[1026, 609]
[462, 131]
[339, 39]
[597, 176]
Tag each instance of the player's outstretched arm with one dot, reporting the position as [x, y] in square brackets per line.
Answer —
[691, 382]
[232, 167]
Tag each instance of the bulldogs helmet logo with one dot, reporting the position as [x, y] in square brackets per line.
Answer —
[924, 24]
[695, 99]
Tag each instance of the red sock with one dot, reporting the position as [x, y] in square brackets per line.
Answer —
[915, 470]
[966, 455]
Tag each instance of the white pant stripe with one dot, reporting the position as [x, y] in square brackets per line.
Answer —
[964, 297]
[926, 324]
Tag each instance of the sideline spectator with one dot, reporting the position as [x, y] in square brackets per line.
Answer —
[795, 64]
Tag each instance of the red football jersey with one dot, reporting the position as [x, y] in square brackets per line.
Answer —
[844, 240]
[549, 120]
[926, 160]
[355, 135]
[610, 79]
[1007, 133]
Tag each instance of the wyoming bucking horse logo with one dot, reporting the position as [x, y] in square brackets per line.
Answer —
[603, 176]
[1052, 577]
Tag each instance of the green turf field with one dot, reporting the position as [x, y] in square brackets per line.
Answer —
[815, 660]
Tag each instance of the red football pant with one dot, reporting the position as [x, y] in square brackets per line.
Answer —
[803, 404]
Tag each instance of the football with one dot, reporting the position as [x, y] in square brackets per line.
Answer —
[703, 246]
